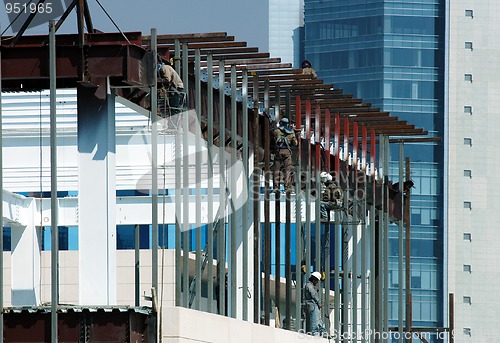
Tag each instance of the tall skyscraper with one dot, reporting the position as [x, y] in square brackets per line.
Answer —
[473, 199]
[392, 54]
[286, 29]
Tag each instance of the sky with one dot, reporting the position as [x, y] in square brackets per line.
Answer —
[246, 20]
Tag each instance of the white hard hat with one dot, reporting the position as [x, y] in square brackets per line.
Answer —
[325, 176]
[317, 275]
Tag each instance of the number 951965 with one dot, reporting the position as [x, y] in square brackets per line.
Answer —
[17, 7]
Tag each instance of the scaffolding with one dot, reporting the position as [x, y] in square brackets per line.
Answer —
[234, 256]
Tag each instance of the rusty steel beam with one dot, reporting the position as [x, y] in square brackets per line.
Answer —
[202, 45]
[26, 66]
[242, 58]
[191, 38]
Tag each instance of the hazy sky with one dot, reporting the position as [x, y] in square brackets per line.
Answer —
[246, 20]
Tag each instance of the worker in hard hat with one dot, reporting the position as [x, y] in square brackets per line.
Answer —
[285, 139]
[312, 304]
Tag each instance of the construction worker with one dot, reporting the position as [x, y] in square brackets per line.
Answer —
[308, 69]
[285, 139]
[312, 302]
[174, 87]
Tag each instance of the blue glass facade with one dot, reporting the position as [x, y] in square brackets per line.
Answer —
[391, 54]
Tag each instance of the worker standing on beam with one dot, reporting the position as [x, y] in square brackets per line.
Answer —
[312, 304]
[285, 139]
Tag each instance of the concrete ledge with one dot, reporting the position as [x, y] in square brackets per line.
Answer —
[186, 325]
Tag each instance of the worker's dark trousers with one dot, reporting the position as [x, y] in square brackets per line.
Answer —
[176, 100]
[283, 168]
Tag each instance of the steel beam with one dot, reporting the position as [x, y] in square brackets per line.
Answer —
[54, 299]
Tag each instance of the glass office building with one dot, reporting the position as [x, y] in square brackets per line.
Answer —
[391, 54]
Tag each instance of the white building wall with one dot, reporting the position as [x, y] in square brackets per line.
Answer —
[286, 17]
[476, 321]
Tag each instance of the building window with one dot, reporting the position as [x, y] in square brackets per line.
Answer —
[7, 238]
[467, 300]
[467, 236]
[468, 141]
[468, 173]
[468, 77]
[468, 45]
[468, 110]
[68, 238]
[469, 13]
[467, 268]
[467, 205]
[467, 331]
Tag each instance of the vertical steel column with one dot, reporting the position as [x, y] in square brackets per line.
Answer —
[288, 245]
[137, 266]
[1, 199]
[380, 253]
[277, 221]
[199, 160]
[317, 207]
[298, 220]
[451, 318]
[317, 200]
[245, 208]
[154, 166]
[385, 246]
[186, 188]
[328, 224]
[221, 232]
[364, 270]
[338, 237]
[267, 224]
[355, 229]
[256, 201]
[210, 183]
[355, 287]
[406, 207]
[401, 277]
[380, 272]
[288, 267]
[233, 236]
[53, 186]
[364, 234]
[307, 229]
[178, 200]
[373, 265]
